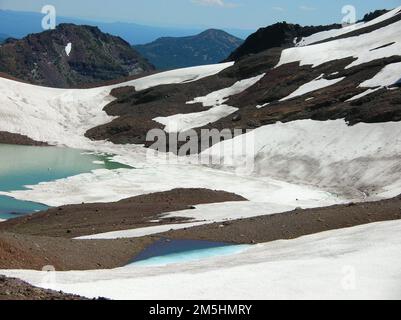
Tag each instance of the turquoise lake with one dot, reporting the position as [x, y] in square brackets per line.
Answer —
[24, 165]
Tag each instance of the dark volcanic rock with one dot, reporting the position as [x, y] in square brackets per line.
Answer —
[277, 35]
[15, 289]
[13, 138]
[373, 15]
[208, 47]
[137, 109]
[95, 57]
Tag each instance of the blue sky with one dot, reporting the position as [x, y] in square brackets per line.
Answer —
[243, 14]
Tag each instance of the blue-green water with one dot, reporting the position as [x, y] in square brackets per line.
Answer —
[166, 251]
[24, 165]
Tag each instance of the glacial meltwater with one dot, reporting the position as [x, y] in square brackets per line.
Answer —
[166, 251]
[21, 166]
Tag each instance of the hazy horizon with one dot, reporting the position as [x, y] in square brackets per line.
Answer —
[232, 14]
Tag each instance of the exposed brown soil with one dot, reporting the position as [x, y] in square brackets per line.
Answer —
[45, 238]
[13, 138]
[137, 212]
[291, 225]
[18, 251]
[21, 251]
[14, 289]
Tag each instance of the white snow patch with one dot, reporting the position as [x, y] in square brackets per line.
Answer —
[221, 96]
[263, 105]
[185, 122]
[318, 266]
[363, 157]
[115, 185]
[324, 35]
[389, 75]
[68, 48]
[139, 232]
[358, 47]
[316, 84]
[216, 100]
[363, 94]
[202, 214]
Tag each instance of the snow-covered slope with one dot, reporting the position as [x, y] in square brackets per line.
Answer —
[314, 85]
[325, 35]
[363, 158]
[216, 99]
[62, 116]
[389, 75]
[357, 263]
[364, 48]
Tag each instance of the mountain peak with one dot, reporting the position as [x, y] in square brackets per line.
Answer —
[208, 47]
[214, 32]
[281, 34]
[93, 56]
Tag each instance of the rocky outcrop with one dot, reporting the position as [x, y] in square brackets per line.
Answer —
[373, 15]
[71, 56]
[279, 35]
[15, 289]
[13, 138]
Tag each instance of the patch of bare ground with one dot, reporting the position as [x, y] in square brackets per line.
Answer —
[18, 139]
[15, 289]
[20, 251]
[80, 220]
[295, 224]
[45, 238]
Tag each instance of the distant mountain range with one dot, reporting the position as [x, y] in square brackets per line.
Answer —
[208, 47]
[19, 24]
[70, 56]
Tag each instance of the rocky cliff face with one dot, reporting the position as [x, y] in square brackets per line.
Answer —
[70, 56]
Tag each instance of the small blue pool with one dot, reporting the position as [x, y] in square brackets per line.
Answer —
[166, 251]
